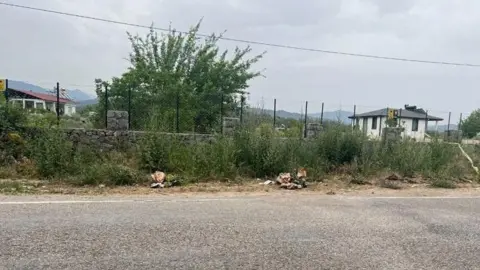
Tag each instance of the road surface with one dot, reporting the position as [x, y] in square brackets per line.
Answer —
[286, 231]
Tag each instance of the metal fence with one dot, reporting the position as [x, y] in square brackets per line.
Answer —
[206, 112]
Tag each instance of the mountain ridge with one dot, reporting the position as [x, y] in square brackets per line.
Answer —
[76, 94]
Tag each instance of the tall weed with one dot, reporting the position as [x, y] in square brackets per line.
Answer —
[52, 153]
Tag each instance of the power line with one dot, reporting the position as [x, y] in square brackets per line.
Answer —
[246, 41]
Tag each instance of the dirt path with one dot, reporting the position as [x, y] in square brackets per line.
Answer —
[19, 187]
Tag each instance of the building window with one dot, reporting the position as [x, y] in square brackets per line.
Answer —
[374, 122]
[414, 124]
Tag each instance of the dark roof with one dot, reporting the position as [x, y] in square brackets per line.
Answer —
[402, 113]
[42, 96]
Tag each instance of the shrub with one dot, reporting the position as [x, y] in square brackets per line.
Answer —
[259, 152]
[52, 153]
[110, 175]
[443, 183]
[261, 155]
[11, 118]
[338, 147]
[154, 151]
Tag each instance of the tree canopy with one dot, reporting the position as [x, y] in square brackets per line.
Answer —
[179, 70]
[471, 125]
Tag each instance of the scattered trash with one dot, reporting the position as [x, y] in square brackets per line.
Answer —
[157, 185]
[285, 180]
[268, 182]
[160, 180]
[101, 186]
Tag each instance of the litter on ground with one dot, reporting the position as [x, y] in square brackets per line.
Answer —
[285, 180]
[160, 180]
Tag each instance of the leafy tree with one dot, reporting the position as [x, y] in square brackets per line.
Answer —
[471, 126]
[178, 66]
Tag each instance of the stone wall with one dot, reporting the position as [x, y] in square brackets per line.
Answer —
[313, 130]
[392, 133]
[114, 140]
[109, 139]
[117, 120]
[230, 125]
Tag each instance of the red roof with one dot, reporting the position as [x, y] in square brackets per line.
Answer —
[44, 97]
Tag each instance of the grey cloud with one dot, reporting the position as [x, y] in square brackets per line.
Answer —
[46, 47]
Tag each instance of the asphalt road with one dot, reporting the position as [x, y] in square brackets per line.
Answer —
[263, 232]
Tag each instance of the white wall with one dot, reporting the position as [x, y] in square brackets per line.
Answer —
[418, 135]
[372, 133]
[408, 133]
[70, 109]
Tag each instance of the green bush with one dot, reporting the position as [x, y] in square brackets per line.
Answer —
[154, 151]
[338, 147]
[250, 153]
[110, 175]
[11, 118]
[52, 153]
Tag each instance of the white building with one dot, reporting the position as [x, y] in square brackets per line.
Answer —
[32, 100]
[413, 120]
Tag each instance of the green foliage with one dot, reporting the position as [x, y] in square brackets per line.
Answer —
[155, 152]
[339, 147]
[52, 153]
[471, 126]
[443, 183]
[12, 118]
[179, 66]
[109, 174]
[260, 152]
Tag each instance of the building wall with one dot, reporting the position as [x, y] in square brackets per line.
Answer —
[69, 109]
[418, 135]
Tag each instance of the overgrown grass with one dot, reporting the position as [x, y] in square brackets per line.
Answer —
[255, 153]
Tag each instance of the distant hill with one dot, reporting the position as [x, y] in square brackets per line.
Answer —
[79, 95]
[75, 94]
[443, 128]
[88, 102]
[339, 115]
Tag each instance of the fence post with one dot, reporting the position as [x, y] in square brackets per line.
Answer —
[242, 101]
[58, 104]
[106, 104]
[448, 126]
[400, 120]
[354, 116]
[6, 92]
[321, 115]
[459, 137]
[177, 114]
[129, 104]
[274, 113]
[426, 125]
[221, 114]
[306, 117]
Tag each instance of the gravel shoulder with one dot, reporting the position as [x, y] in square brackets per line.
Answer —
[29, 187]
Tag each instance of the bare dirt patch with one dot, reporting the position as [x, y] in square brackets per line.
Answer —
[332, 187]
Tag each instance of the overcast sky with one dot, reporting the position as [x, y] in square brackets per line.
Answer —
[43, 48]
